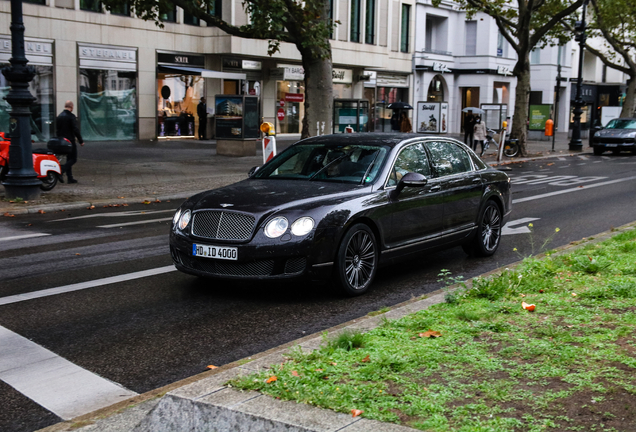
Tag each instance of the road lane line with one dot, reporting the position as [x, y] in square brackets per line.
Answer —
[564, 191]
[116, 214]
[134, 223]
[53, 382]
[25, 236]
[84, 285]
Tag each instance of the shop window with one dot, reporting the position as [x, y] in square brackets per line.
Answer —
[369, 31]
[290, 106]
[436, 90]
[43, 108]
[405, 31]
[179, 96]
[355, 21]
[108, 104]
[91, 5]
[536, 97]
[121, 9]
[471, 38]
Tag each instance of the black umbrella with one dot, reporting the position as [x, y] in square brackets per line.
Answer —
[399, 105]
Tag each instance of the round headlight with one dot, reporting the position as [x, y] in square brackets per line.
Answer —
[184, 220]
[276, 227]
[302, 226]
[175, 219]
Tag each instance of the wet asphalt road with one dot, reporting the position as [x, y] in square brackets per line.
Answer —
[149, 332]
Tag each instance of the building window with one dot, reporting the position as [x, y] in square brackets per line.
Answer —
[369, 31]
[355, 21]
[331, 19]
[436, 40]
[91, 5]
[214, 8]
[189, 18]
[471, 38]
[535, 56]
[405, 29]
[121, 9]
[169, 15]
[40, 2]
[502, 45]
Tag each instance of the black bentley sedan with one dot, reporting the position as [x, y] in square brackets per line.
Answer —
[341, 205]
[619, 135]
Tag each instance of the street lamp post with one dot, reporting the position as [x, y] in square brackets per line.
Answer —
[557, 90]
[575, 142]
[21, 181]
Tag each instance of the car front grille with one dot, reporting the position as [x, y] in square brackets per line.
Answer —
[608, 140]
[223, 225]
[295, 265]
[225, 268]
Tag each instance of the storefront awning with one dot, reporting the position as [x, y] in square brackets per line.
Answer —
[205, 73]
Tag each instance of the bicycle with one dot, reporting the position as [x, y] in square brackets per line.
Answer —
[511, 146]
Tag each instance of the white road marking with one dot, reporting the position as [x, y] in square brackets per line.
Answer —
[25, 236]
[134, 223]
[84, 285]
[583, 157]
[116, 214]
[55, 383]
[509, 230]
[561, 158]
[564, 191]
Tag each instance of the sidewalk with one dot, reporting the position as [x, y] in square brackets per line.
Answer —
[135, 171]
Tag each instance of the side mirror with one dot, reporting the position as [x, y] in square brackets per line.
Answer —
[252, 171]
[410, 179]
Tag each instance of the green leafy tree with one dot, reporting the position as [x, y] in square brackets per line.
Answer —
[615, 21]
[525, 24]
[306, 24]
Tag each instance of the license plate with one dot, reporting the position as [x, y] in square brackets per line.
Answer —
[611, 145]
[218, 252]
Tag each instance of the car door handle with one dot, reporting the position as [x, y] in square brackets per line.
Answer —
[476, 180]
[435, 188]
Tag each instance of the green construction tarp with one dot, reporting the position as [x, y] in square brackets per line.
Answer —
[108, 115]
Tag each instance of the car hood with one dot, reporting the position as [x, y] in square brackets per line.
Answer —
[263, 196]
[616, 133]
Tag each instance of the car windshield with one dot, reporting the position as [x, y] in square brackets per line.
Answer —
[356, 164]
[622, 124]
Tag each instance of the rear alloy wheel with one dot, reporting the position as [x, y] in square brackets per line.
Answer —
[486, 240]
[357, 260]
[49, 181]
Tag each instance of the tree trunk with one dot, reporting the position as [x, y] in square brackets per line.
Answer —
[522, 100]
[629, 107]
[318, 95]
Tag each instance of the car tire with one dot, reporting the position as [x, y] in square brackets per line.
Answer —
[357, 260]
[598, 151]
[488, 235]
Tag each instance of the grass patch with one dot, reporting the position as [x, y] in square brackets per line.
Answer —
[569, 366]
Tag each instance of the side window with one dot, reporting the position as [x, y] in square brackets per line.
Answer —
[411, 159]
[448, 158]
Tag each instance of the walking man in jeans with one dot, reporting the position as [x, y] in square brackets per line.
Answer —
[67, 128]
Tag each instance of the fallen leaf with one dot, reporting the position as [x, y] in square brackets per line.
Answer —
[356, 412]
[573, 294]
[294, 373]
[77, 254]
[318, 370]
[333, 363]
[30, 225]
[211, 367]
[41, 211]
[7, 214]
[121, 197]
[125, 205]
[157, 201]
[541, 291]
[430, 333]
[367, 359]
[90, 208]
[528, 307]
[146, 202]
[325, 377]
[271, 379]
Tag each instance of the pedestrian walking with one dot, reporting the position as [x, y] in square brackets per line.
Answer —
[67, 127]
[202, 112]
[479, 134]
[405, 123]
[469, 129]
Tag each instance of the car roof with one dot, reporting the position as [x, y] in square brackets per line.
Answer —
[390, 139]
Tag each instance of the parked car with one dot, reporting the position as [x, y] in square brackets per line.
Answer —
[341, 205]
[619, 135]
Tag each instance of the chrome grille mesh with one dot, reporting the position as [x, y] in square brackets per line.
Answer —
[225, 268]
[223, 225]
[295, 265]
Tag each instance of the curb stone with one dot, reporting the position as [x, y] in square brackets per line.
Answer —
[204, 403]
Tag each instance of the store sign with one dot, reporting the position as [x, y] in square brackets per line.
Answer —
[294, 97]
[342, 76]
[95, 53]
[37, 52]
[251, 65]
[181, 59]
[390, 80]
[440, 67]
[428, 117]
[503, 70]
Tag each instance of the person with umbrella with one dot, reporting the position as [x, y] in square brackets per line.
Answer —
[396, 119]
[469, 129]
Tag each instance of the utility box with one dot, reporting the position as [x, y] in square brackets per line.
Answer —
[236, 124]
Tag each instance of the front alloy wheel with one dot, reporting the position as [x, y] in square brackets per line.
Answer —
[486, 241]
[357, 260]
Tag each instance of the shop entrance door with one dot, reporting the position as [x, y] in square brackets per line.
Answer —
[470, 98]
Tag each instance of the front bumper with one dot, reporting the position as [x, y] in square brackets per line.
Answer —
[269, 260]
[615, 144]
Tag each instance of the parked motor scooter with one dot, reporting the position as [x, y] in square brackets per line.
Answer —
[45, 163]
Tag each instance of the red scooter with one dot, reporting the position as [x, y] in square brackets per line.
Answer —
[45, 163]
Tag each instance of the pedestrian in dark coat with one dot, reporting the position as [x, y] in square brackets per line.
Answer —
[469, 129]
[67, 127]
[405, 123]
[202, 112]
